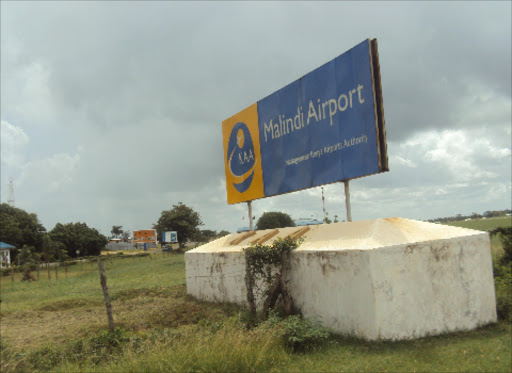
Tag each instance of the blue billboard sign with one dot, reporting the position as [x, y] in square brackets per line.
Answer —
[171, 237]
[325, 127]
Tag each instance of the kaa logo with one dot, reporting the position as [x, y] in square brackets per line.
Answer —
[241, 158]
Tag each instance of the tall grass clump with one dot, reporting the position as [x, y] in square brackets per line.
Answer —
[226, 347]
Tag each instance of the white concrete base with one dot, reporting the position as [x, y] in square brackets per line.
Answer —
[379, 279]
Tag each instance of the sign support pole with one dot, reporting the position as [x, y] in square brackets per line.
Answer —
[249, 206]
[347, 200]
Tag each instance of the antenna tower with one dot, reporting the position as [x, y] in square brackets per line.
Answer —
[10, 200]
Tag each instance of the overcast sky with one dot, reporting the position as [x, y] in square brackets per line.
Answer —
[111, 112]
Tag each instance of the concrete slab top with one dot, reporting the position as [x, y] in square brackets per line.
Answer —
[359, 235]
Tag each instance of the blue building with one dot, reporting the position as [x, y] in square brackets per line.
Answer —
[5, 254]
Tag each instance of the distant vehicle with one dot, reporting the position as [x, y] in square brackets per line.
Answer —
[166, 248]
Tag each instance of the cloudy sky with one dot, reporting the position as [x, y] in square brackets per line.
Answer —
[111, 112]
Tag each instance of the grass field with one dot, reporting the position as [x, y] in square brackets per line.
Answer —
[61, 326]
[484, 224]
[487, 225]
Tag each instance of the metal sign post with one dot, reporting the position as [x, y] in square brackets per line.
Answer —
[249, 206]
[323, 206]
[347, 200]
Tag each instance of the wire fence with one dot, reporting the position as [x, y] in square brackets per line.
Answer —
[70, 297]
[79, 278]
[58, 269]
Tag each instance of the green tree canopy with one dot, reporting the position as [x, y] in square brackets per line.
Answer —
[274, 219]
[206, 235]
[78, 236]
[26, 255]
[19, 228]
[51, 249]
[182, 219]
[117, 230]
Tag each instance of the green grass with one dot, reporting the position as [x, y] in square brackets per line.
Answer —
[484, 350]
[82, 282]
[60, 326]
[483, 224]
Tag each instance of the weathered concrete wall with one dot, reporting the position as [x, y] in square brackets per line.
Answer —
[386, 278]
[335, 287]
[116, 246]
[433, 287]
[216, 277]
[398, 292]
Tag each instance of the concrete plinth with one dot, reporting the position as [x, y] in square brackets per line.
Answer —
[377, 279]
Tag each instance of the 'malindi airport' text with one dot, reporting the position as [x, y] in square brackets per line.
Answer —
[319, 112]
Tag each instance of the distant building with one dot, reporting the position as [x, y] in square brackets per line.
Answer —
[298, 223]
[145, 238]
[301, 222]
[5, 254]
[144, 235]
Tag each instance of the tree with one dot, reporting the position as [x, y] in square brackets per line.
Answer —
[274, 219]
[26, 255]
[78, 236]
[117, 230]
[50, 249]
[125, 235]
[182, 219]
[19, 228]
[206, 235]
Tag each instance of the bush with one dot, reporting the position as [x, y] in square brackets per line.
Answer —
[300, 334]
[27, 274]
[503, 287]
[5, 271]
[503, 275]
[108, 341]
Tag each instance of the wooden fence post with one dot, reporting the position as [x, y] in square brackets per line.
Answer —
[48, 269]
[56, 271]
[38, 264]
[103, 280]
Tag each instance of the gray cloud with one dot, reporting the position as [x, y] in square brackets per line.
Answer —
[122, 102]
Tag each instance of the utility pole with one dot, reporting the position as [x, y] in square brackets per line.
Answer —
[347, 201]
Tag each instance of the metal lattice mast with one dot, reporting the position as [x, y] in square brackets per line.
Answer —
[10, 200]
